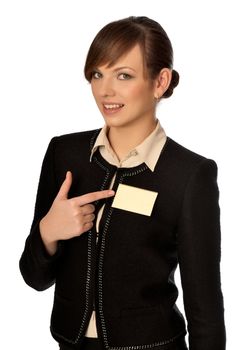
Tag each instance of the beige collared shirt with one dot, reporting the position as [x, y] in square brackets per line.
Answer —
[148, 152]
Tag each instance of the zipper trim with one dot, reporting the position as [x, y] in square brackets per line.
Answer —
[135, 172]
[106, 177]
[87, 289]
[148, 346]
[100, 278]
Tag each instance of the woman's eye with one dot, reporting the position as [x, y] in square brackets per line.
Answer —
[124, 76]
[96, 75]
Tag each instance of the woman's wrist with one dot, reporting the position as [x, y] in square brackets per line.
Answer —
[49, 243]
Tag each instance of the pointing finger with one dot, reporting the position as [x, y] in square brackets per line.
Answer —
[94, 196]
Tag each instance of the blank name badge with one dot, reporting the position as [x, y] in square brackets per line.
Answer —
[137, 200]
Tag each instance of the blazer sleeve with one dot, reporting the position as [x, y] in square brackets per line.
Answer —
[199, 253]
[37, 267]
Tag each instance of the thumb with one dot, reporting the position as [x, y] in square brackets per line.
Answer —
[65, 187]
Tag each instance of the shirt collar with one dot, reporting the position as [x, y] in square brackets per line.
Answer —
[102, 141]
[148, 151]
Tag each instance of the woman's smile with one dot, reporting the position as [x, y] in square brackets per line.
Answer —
[112, 108]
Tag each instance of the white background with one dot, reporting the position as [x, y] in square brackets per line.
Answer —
[43, 93]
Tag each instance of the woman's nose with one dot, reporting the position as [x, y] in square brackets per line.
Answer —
[107, 88]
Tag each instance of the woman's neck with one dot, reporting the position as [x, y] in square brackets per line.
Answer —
[124, 139]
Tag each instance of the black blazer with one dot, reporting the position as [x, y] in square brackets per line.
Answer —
[129, 276]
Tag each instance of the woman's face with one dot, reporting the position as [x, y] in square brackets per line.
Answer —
[122, 93]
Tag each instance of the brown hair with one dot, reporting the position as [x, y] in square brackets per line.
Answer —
[118, 37]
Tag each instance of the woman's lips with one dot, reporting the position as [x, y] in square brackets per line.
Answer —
[111, 108]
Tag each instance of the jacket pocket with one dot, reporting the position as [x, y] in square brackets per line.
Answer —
[151, 326]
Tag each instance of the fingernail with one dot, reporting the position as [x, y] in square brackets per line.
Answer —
[111, 192]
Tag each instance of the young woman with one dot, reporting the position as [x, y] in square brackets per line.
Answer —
[112, 254]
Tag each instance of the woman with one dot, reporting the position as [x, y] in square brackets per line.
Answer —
[112, 254]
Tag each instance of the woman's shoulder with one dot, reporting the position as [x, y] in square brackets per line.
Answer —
[184, 158]
[81, 138]
[183, 151]
[84, 135]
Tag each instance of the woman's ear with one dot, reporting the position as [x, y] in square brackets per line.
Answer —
[162, 82]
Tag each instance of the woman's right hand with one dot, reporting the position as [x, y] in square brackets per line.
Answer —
[68, 218]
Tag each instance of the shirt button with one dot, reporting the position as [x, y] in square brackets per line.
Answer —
[133, 153]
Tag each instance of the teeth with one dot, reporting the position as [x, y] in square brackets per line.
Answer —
[112, 106]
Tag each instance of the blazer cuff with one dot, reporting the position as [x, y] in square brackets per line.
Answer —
[38, 249]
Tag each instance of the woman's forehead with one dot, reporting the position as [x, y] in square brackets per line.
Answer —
[132, 59]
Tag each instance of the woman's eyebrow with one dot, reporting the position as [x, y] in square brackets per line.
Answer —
[117, 69]
[124, 67]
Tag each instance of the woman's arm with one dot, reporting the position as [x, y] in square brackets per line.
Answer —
[199, 250]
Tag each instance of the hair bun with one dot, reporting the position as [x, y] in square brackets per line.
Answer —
[174, 82]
